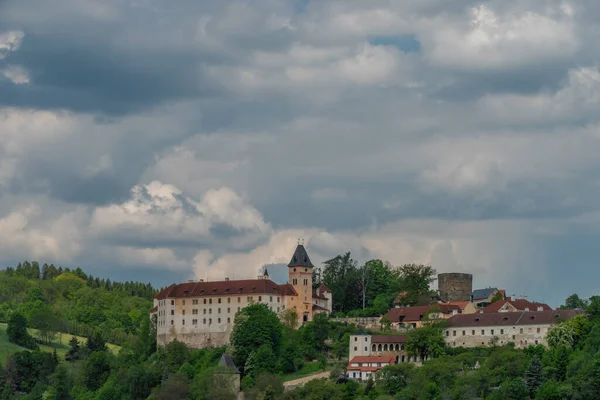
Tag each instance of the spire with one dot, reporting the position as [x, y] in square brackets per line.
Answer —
[300, 258]
[266, 274]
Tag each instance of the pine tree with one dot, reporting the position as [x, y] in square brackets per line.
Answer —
[533, 375]
[561, 363]
[73, 353]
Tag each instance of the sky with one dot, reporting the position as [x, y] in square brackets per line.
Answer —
[165, 141]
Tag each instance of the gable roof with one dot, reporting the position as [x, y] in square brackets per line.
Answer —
[479, 294]
[372, 359]
[222, 288]
[300, 258]
[324, 289]
[512, 318]
[519, 304]
[316, 295]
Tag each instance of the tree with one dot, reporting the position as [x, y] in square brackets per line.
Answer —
[533, 375]
[73, 352]
[514, 389]
[341, 275]
[96, 342]
[17, 332]
[497, 297]
[96, 370]
[415, 280]
[573, 302]
[289, 318]
[60, 389]
[254, 326]
[562, 335]
[561, 362]
[425, 342]
[393, 379]
[175, 387]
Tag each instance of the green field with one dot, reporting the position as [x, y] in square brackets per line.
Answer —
[60, 343]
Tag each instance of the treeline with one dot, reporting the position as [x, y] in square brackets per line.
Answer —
[370, 289]
[32, 270]
[55, 299]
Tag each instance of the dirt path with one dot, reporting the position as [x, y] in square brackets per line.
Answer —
[301, 381]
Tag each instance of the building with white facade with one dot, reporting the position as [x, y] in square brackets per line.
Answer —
[360, 368]
[523, 328]
[201, 314]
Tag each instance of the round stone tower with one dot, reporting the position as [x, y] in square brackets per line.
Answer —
[455, 286]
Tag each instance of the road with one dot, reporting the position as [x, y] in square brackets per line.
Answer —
[289, 385]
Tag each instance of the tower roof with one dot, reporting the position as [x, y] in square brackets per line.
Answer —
[300, 258]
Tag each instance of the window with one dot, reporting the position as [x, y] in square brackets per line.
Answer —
[447, 333]
[463, 332]
[355, 339]
[204, 321]
[195, 311]
[249, 299]
[204, 311]
[183, 302]
[278, 299]
[194, 302]
[229, 300]
[228, 320]
[259, 298]
[521, 330]
[182, 312]
[172, 312]
[210, 310]
[483, 331]
[355, 348]
[239, 299]
[194, 322]
[366, 340]
[219, 311]
[172, 302]
[492, 332]
[538, 331]
[219, 301]
[306, 307]
[183, 322]
[228, 310]
[209, 301]
[172, 323]
[210, 321]
[453, 333]
[473, 332]
[219, 320]
[502, 331]
[204, 301]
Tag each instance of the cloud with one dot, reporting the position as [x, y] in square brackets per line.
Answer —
[204, 138]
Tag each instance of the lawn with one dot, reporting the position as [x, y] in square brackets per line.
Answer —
[310, 368]
[60, 344]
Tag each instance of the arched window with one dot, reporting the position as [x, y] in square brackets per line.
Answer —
[374, 347]
[397, 347]
[379, 347]
[401, 347]
[385, 347]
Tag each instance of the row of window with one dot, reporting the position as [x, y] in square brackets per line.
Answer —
[491, 331]
[304, 282]
[210, 301]
[195, 321]
[521, 343]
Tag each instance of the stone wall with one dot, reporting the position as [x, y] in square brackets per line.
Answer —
[455, 286]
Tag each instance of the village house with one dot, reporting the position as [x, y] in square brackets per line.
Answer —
[201, 314]
[513, 305]
[415, 317]
[523, 328]
[360, 368]
[483, 297]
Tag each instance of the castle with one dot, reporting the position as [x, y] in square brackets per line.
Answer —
[201, 314]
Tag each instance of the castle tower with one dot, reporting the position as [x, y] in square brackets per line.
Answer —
[300, 274]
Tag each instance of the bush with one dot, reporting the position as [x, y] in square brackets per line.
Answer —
[17, 332]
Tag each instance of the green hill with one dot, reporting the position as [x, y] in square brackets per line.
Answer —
[60, 344]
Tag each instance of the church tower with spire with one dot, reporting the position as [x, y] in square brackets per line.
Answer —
[300, 274]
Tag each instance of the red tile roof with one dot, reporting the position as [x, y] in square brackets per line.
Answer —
[519, 304]
[324, 289]
[288, 290]
[512, 318]
[460, 304]
[388, 339]
[222, 288]
[316, 296]
[414, 314]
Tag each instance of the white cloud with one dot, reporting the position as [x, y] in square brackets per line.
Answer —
[492, 40]
[17, 75]
[10, 41]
